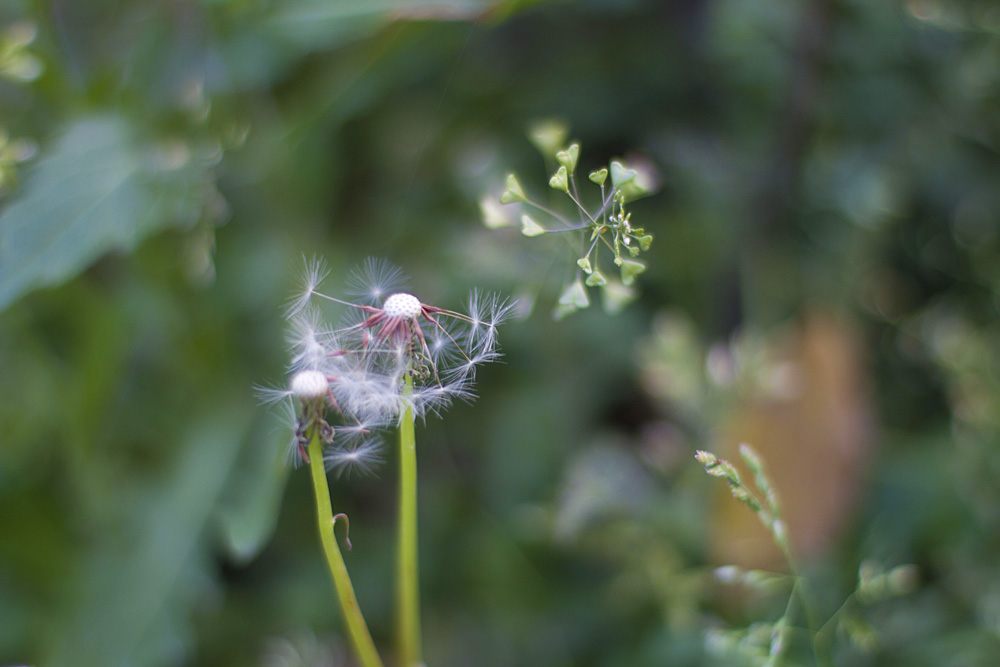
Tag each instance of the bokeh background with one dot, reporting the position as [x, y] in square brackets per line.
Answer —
[823, 284]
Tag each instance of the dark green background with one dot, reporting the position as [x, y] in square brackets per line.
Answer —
[833, 153]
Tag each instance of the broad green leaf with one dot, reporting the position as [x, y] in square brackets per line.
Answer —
[127, 605]
[95, 190]
[325, 23]
[249, 508]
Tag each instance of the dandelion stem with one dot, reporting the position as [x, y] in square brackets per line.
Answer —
[407, 583]
[361, 639]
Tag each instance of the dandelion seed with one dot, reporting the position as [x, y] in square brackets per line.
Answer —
[313, 275]
[374, 280]
[361, 460]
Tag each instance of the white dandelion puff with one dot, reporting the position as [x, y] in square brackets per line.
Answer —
[390, 353]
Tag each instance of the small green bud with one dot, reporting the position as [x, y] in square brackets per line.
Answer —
[596, 279]
[584, 263]
[633, 251]
[531, 228]
[645, 241]
[705, 458]
[560, 180]
[716, 471]
[742, 495]
[599, 176]
[514, 192]
[630, 269]
[620, 174]
[751, 458]
[569, 157]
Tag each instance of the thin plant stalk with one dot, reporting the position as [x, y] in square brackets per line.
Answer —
[357, 629]
[407, 573]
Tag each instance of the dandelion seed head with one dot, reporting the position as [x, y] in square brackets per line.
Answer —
[309, 385]
[354, 373]
[402, 305]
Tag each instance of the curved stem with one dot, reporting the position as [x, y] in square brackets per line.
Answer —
[361, 639]
[407, 573]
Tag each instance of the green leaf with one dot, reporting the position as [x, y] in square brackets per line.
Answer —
[596, 279]
[620, 175]
[599, 176]
[531, 228]
[630, 269]
[283, 31]
[568, 158]
[95, 190]
[560, 180]
[514, 191]
[129, 603]
[249, 507]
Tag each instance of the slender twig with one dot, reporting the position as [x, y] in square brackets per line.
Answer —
[357, 630]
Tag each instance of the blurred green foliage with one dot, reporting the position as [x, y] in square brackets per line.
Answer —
[165, 166]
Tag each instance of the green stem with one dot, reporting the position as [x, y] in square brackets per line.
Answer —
[364, 647]
[407, 583]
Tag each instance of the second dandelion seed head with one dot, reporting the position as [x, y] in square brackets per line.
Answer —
[309, 385]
